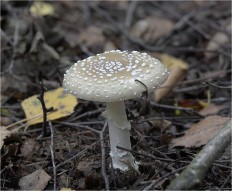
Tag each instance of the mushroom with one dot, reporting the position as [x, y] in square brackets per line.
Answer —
[112, 77]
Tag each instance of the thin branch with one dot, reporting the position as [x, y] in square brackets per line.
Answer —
[217, 86]
[87, 114]
[196, 170]
[171, 107]
[78, 154]
[130, 13]
[146, 46]
[79, 126]
[145, 155]
[103, 164]
[227, 179]
[53, 155]
[45, 110]
[154, 182]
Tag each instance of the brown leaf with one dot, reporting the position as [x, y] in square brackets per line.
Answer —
[28, 147]
[152, 28]
[88, 166]
[92, 37]
[200, 133]
[218, 40]
[37, 180]
[109, 46]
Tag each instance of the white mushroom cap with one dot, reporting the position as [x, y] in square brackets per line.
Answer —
[111, 76]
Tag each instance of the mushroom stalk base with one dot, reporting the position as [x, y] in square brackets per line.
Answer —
[119, 132]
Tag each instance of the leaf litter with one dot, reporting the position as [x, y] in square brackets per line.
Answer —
[199, 134]
[43, 46]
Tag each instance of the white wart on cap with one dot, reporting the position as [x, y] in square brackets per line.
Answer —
[111, 76]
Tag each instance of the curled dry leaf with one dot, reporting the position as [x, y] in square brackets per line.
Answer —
[37, 180]
[200, 133]
[62, 102]
[218, 40]
[152, 28]
[92, 37]
[177, 69]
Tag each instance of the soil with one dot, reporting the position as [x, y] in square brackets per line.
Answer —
[41, 46]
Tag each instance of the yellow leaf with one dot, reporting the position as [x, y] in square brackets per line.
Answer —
[66, 189]
[39, 8]
[62, 102]
[171, 61]
[177, 69]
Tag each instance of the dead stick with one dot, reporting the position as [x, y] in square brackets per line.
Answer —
[196, 170]
[45, 110]
[145, 155]
[217, 86]
[53, 155]
[103, 166]
[154, 182]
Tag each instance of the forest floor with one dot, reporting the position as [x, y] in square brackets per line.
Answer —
[40, 41]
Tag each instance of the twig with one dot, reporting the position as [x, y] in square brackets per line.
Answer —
[215, 85]
[179, 16]
[145, 155]
[88, 114]
[53, 155]
[213, 74]
[196, 170]
[171, 107]
[103, 164]
[80, 126]
[130, 13]
[101, 135]
[141, 43]
[45, 110]
[7, 38]
[227, 179]
[78, 154]
[145, 105]
[170, 117]
[113, 173]
[154, 182]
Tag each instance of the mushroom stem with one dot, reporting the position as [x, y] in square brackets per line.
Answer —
[119, 131]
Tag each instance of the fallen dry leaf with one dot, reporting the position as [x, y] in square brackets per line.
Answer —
[4, 133]
[92, 37]
[66, 189]
[200, 133]
[177, 69]
[152, 28]
[109, 46]
[37, 180]
[70, 37]
[62, 102]
[39, 8]
[160, 124]
[28, 147]
[219, 39]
